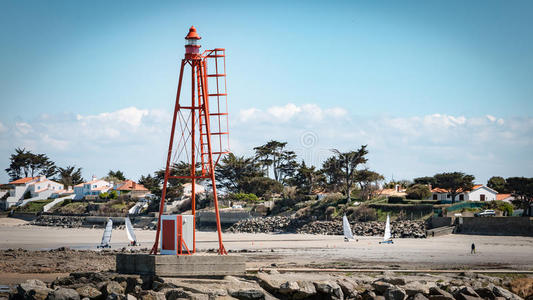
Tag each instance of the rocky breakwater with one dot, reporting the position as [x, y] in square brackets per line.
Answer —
[60, 221]
[272, 285]
[399, 229]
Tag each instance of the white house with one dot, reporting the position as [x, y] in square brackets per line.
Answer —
[94, 187]
[39, 188]
[478, 193]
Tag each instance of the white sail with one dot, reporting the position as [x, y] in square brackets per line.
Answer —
[106, 238]
[129, 230]
[346, 228]
[387, 235]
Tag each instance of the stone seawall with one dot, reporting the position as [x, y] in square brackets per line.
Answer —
[522, 226]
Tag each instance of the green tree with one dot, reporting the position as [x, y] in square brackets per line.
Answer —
[497, 183]
[332, 175]
[454, 183]
[234, 172]
[262, 186]
[522, 189]
[273, 155]
[152, 183]
[306, 179]
[175, 185]
[369, 182]
[418, 191]
[425, 180]
[69, 176]
[348, 162]
[116, 174]
[23, 163]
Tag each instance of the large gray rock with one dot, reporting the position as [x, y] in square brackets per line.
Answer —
[306, 289]
[439, 294]
[151, 295]
[89, 291]
[112, 287]
[395, 293]
[461, 296]
[33, 289]
[466, 290]
[486, 292]
[415, 287]
[501, 292]
[248, 294]
[289, 287]
[419, 296]
[393, 280]
[349, 287]
[381, 286]
[330, 289]
[64, 294]
[173, 294]
[368, 295]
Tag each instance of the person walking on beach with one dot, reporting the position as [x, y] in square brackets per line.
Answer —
[473, 251]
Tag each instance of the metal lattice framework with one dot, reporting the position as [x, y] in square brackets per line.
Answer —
[200, 133]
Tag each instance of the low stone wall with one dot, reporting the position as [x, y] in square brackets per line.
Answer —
[522, 226]
[227, 218]
[436, 222]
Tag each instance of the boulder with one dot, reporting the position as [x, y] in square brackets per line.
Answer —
[393, 280]
[151, 295]
[415, 287]
[501, 292]
[64, 294]
[461, 296]
[179, 293]
[112, 287]
[419, 296]
[248, 294]
[306, 289]
[289, 287]
[330, 289]
[440, 293]
[395, 293]
[348, 287]
[368, 295]
[381, 286]
[33, 289]
[89, 291]
[486, 293]
[466, 290]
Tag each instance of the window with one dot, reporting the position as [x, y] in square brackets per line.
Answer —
[462, 197]
[482, 197]
[448, 196]
[434, 196]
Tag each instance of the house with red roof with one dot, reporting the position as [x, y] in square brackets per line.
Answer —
[131, 187]
[479, 192]
[27, 189]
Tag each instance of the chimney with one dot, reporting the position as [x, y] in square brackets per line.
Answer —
[397, 188]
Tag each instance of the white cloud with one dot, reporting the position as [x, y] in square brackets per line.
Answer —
[290, 112]
[135, 140]
[23, 128]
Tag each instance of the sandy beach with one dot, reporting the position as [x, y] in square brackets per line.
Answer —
[446, 252]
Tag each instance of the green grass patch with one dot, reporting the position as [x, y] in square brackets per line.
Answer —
[34, 206]
[72, 208]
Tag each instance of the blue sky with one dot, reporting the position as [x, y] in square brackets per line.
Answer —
[430, 86]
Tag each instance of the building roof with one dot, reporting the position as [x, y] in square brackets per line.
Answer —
[24, 180]
[503, 196]
[130, 185]
[439, 190]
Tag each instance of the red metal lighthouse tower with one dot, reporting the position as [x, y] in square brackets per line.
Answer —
[203, 130]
